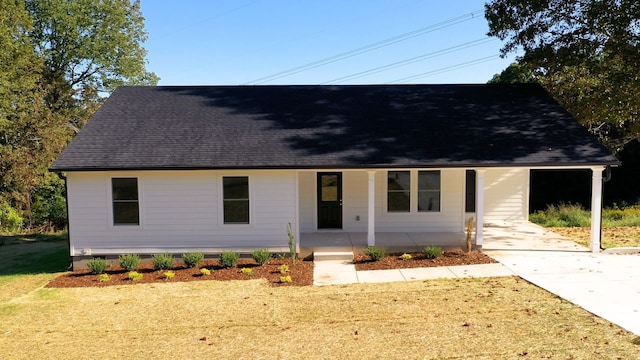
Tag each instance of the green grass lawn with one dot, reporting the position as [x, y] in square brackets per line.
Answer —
[33, 254]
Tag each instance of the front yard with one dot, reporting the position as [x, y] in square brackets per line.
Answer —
[460, 318]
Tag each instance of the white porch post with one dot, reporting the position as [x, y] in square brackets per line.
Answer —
[479, 205]
[371, 209]
[596, 208]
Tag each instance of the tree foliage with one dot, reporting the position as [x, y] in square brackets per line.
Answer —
[89, 48]
[58, 59]
[585, 52]
[514, 74]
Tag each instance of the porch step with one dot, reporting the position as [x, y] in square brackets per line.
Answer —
[332, 255]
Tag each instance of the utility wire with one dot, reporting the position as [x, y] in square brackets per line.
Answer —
[367, 48]
[412, 60]
[448, 68]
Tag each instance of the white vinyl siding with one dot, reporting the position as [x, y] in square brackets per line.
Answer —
[506, 194]
[308, 201]
[179, 211]
[183, 210]
[354, 195]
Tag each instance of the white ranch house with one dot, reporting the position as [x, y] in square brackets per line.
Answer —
[181, 169]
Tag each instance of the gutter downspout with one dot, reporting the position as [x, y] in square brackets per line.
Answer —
[66, 201]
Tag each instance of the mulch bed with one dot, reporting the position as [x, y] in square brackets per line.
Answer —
[448, 258]
[301, 273]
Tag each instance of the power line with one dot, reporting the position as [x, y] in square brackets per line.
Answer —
[368, 48]
[448, 68]
[412, 60]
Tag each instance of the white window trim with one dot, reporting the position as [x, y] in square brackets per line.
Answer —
[411, 191]
[109, 189]
[221, 222]
[413, 194]
[417, 172]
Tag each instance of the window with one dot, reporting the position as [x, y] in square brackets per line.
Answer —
[429, 191]
[236, 199]
[470, 192]
[413, 191]
[398, 191]
[125, 201]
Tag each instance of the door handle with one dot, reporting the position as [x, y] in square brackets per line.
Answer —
[340, 202]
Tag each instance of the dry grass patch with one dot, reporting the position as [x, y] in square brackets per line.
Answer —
[460, 318]
[621, 236]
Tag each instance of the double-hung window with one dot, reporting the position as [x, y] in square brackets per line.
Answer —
[429, 191]
[126, 208]
[235, 191]
[413, 191]
[398, 191]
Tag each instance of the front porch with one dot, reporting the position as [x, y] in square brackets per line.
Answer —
[356, 242]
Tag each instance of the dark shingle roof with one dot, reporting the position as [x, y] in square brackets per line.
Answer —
[331, 127]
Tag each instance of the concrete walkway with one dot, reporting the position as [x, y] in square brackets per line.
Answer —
[344, 272]
[607, 285]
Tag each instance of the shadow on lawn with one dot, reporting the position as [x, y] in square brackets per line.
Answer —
[33, 254]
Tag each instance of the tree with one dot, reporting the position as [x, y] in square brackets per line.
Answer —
[89, 48]
[515, 73]
[586, 53]
[21, 106]
[58, 59]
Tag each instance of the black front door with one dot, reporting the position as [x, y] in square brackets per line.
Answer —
[330, 200]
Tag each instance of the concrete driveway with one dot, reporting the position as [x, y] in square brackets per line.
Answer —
[607, 285]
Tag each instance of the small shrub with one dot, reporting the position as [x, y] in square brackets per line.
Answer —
[621, 216]
[261, 256]
[169, 274]
[97, 265]
[247, 271]
[563, 215]
[285, 279]
[134, 276]
[162, 261]
[375, 253]
[432, 252]
[104, 277]
[205, 272]
[284, 268]
[292, 243]
[405, 256]
[10, 219]
[129, 262]
[469, 229]
[192, 259]
[229, 258]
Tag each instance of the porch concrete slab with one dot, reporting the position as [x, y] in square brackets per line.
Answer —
[327, 239]
[424, 239]
[338, 240]
[380, 276]
[427, 273]
[334, 272]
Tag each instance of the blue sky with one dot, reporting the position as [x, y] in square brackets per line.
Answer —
[251, 42]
